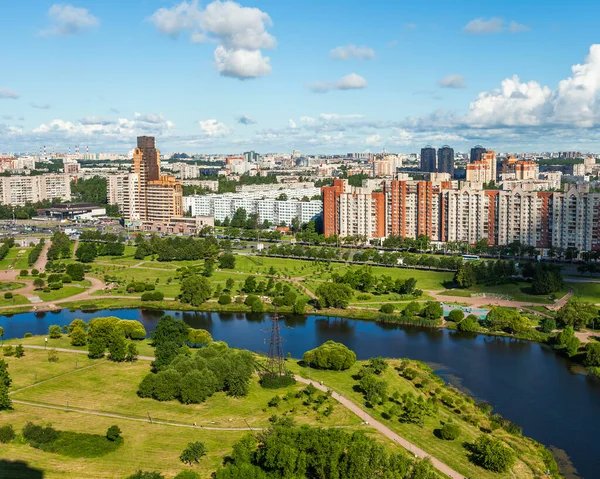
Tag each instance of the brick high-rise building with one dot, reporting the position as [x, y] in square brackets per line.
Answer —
[148, 195]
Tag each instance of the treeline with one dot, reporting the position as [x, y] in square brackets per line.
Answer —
[7, 244]
[91, 190]
[60, 247]
[24, 212]
[176, 248]
[99, 237]
[35, 253]
[362, 279]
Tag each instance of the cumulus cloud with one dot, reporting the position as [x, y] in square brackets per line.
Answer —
[352, 51]
[453, 81]
[6, 93]
[245, 120]
[213, 128]
[292, 124]
[240, 33]
[94, 120]
[69, 20]
[349, 82]
[481, 26]
[338, 116]
[308, 119]
[374, 140]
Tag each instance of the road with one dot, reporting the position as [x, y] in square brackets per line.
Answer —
[386, 431]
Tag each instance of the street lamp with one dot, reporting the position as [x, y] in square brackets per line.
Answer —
[45, 342]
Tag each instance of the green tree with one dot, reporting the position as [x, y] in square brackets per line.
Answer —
[117, 345]
[199, 337]
[250, 284]
[5, 401]
[193, 453]
[132, 352]
[456, 315]
[195, 290]
[332, 295]
[330, 355]
[76, 271]
[567, 341]
[78, 337]
[577, 313]
[53, 356]
[224, 299]
[39, 283]
[86, 252]
[229, 284]
[299, 306]
[449, 431]
[227, 261]
[54, 331]
[548, 325]
[113, 433]
[432, 311]
[4, 376]
[592, 355]
[387, 308]
[465, 276]
[491, 454]
[470, 324]
[374, 389]
[19, 351]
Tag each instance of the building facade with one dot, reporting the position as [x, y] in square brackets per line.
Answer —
[19, 190]
[428, 159]
[445, 157]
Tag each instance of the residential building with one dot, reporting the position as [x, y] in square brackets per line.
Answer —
[428, 159]
[477, 153]
[445, 157]
[19, 190]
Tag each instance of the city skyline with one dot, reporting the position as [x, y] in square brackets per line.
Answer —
[264, 76]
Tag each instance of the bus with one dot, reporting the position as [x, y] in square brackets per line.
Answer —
[470, 257]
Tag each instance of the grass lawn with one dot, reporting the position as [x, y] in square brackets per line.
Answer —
[149, 447]
[88, 389]
[450, 452]
[586, 291]
[16, 257]
[61, 293]
[8, 286]
[16, 300]
[511, 291]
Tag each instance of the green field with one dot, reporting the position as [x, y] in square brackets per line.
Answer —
[586, 291]
[15, 259]
[16, 300]
[511, 291]
[64, 292]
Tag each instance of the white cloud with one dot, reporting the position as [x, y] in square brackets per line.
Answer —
[292, 124]
[214, 128]
[373, 140]
[40, 106]
[6, 93]
[351, 82]
[69, 20]
[352, 51]
[308, 119]
[240, 32]
[245, 120]
[514, 27]
[453, 81]
[481, 26]
[241, 64]
[338, 116]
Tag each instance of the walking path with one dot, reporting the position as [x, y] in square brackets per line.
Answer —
[383, 429]
[386, 431]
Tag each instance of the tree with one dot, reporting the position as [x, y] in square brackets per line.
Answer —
[432, 311]
[257, 306]
[4, 376]
[39, 283]
[209, 268]
[465, 276]
[132, 352]
[546, 280]
[449, 431]
[227, 261]
[332, 295]
[469, 325]
[193, 453]
[505, 319]
[195, 290]
[491, 454]
[86, 252]
[592, 355]
[387, 308]
[78, 337]
[567, 341]
[2, 334]
[576, 313]
[250, 284]
[76, 271]
[299, 306]
[54, 331]
[330, 355]
[53, 356]
[224, 299]
[199, 337]
[5, 401]
[117, 345]
[19, 351]
[548, 325]
[113, 434]
[456, 315]
[229, 284]
[375, 389]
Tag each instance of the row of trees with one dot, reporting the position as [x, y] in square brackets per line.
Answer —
[60, 247]
[35, 253]
[178, 248]
[7, 244]
[363, 279]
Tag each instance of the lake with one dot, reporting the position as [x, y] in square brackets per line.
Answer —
[526, 382]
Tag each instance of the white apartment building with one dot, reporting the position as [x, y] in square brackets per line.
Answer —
[19, 190]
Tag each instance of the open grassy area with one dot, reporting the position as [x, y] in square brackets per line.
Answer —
[16, 300]
[15, 259]
[586, 291]
[64, 292]
[453, 453]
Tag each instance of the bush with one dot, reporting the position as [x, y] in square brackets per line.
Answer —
[193, 453]
[8, 350]
[34, 272]
[113, 434]
[66, 278]
[387, 308]
[54, 331]
[456, 315]
[258, 306]
[55, 286]
[8, 295]
[146, 475]
[36, 435]
[19, 351]
[469, 324]
[449, 431]
[28, 335]
[548, 325]
[330, 355]
[52, 356]
[491, 454]
[133, 329]
[187, 475]
[7, 433]
[225, 299]
[24, 272]
[78, 337]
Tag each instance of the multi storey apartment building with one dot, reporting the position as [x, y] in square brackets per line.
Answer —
[543, 219]
[19, 190]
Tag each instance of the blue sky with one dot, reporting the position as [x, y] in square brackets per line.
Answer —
[316, 76]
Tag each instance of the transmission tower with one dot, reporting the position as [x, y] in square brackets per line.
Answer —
[275, 362]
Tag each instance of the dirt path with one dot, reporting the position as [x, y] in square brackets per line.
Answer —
[40, 264]
[75, 246]
[386, 431]
[64, 350]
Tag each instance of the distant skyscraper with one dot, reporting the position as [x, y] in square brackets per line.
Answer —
[446, 160]
[477, 153]
[428, 160]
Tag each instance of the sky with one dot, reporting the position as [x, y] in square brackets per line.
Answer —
[312, 75]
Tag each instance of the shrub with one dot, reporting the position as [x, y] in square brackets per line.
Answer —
[456, 315]
[469, 324]
[78, 337]
[38, 435]
[24, 272]
[147, 296]
[55, 286]
[19, 351]
[187, 475]
[449, 431]
[251, 299]
[387, 308]
[274, 401]
[113, 434]
[52, 356]
[491, 454]
[258, 306]
[7, 433]
[34, 272]
[193, 453]
[330, 355]
[8, 350]
[146, 475]
[548, 325]
[54, 331]
[66, 278]
[8, 295]
[28, 335]
[225, 299]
